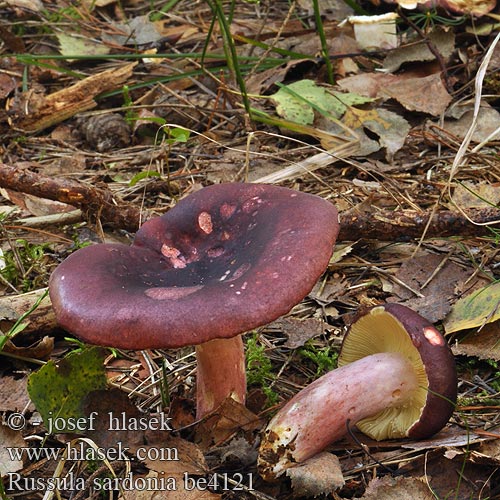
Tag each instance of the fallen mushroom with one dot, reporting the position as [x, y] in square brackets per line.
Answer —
[224, 260]
[396, 378]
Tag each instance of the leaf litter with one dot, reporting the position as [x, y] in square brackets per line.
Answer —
[89, 113]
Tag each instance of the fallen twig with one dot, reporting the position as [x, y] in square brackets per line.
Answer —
[95, 202]
[385, 225]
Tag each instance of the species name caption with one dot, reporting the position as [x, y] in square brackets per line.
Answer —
[78, 450]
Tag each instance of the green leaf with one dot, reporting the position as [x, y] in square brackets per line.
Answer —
[75, 45]
[476, 309]
[178, 134]
[143, 175]
[58, 390]
[298, 101]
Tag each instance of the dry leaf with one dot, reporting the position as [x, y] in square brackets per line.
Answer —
[487, 123]
[30, 5]
[415, 91]
[70, 45]
[40, 349]
[470, 194]
[112, 403]
[443, 41]
[398, 488]
[13, 394]
[437, 294]
[426, 95]
[475, 310]
[300, 331]
[8, 83]
[35, 205]
[450, 436]
[171, 456]
[224, 422]
[488, 453]
[481, 343]
[442, 479]
[9, 439]
[391, 128]
[319, 475]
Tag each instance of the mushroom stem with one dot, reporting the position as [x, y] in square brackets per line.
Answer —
[220, 373]
[319, 414]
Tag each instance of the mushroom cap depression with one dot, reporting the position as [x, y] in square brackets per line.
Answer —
[396, 328]
[225, 259]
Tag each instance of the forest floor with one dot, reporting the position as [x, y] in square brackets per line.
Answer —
[111, 112]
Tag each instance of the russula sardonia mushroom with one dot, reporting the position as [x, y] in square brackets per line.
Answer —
[224, 260]
[396, 378]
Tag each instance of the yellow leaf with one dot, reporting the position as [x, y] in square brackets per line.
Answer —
[475, 310]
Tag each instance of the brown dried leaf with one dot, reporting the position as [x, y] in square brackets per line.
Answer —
[300, 331]
[482, 343]
[13, 394]
[415, 89]
[439, 467]
[9, 439]
[487, 454]
[425, 95]
[113, 404]
[319, 475]
[29, 5]
[367, 84]
[326, 293]
[7, 84]
[450, 436]
[176, 456]
[35, 205]
[438, 293]
[40, 349]
[470, 194]
[182, 412]
[224, 422]
[391, 128]
[398, 488]
[487, 123]
[443, 41]
[469, 7]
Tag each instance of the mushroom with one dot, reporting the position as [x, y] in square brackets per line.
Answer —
[396, 379]
[226, 259]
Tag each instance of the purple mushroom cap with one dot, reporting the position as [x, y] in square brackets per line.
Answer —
[224, 260]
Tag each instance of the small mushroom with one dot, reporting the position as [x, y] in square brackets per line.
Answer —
[396, 378]
[224, 260]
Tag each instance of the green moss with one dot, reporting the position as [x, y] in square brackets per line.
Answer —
[259, 368]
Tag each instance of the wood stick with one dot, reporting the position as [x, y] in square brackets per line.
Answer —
[383, 225]
[93, 201]
[41, 320]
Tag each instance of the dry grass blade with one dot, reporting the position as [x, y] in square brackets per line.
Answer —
[309, 165]
[458, 161]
